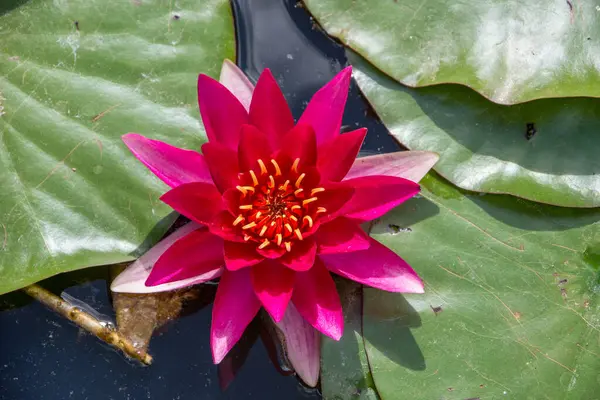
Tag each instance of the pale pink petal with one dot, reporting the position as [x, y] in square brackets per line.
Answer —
[174, 166]
[236, 81]
[132, 279]
[234, 308]
[411, 165]
[378, 267]
[326, 108]
[316, 298]
[303, 345]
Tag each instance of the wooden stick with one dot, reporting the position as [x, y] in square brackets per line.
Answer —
[87, 322]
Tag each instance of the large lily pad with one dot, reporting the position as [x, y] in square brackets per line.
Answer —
[545, 150]
[74, 76]
[510, 308]
[509, 51]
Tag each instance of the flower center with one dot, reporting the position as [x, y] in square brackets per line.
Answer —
[277, 207]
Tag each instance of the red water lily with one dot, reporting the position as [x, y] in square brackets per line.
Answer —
[276, 206]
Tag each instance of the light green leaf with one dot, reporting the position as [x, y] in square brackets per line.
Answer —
[510, 308]
[74, 76]
[484, 146]
[509, 51]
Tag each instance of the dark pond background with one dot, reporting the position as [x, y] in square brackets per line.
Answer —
[43, 356]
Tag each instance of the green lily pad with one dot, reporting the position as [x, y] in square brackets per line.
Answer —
[511, 52]
[74, 76]
[545, 150]
[510, 309]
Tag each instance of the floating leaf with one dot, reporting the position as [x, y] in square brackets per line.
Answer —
[509, 51]
[545, 150]
[74, 76]
[510, 306]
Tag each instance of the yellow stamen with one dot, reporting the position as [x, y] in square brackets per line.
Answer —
[285, 185]
[246, 207]
[264, 244]
[263, 167]
[250, 225]
[248, 188]
[289, 228]
[321, 210]
[262, 231]
[316, 190]
[258, 214]
[238, 220]
[271, 182]
[288, 246]
[298, 191]
[295, 165]
[308, 219]
[305, 202]
[279, 237]
[247, 237]
[273, 223]
[241, 189]
[254, 180]
[277, 169]
[299, 180]
[298, 234]
[296, 207]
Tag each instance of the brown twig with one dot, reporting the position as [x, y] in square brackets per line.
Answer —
[87, 322]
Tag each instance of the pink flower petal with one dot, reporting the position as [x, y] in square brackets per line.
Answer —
[301, 143]
[240, 255]
[411, 165]
[378, 267]
[337, 156]
[302, 256]
[326, 108]
[222, 113]
[375, 195]
[341, 236]
[222, 164]
[273, 284]
[197, 201]
[303, 345]
[197, 253]
[269, 110]
[174, 166]
[252, 147]
[234, 308]
[236, 81]
[133, 278]
[316, 298]
[334, 199]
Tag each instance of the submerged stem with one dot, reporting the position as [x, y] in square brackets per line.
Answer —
[87, 322]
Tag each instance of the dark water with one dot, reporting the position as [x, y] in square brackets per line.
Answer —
[43, 357]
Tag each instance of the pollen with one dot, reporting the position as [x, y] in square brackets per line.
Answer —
[295, 165]
[298, 191]
[321, 210]
[253, 175]
[271, 181]
[289, 228]
[299, 180]
[298, 234]
[262, 231]
[277, 169]
[296, 207]
[264, 244]
[316, 190]
[307, 201]
[285, 185]
[263, 167]
[243, 190]
[250, 225]
[246, 207]
[288, 246]
[308, 220]
[239, 219]
[279, 237]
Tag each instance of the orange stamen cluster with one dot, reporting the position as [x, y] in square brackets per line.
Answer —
[276, 207]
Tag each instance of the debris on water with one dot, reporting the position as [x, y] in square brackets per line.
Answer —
[396, 229]
[436, 310]
[531, 131]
